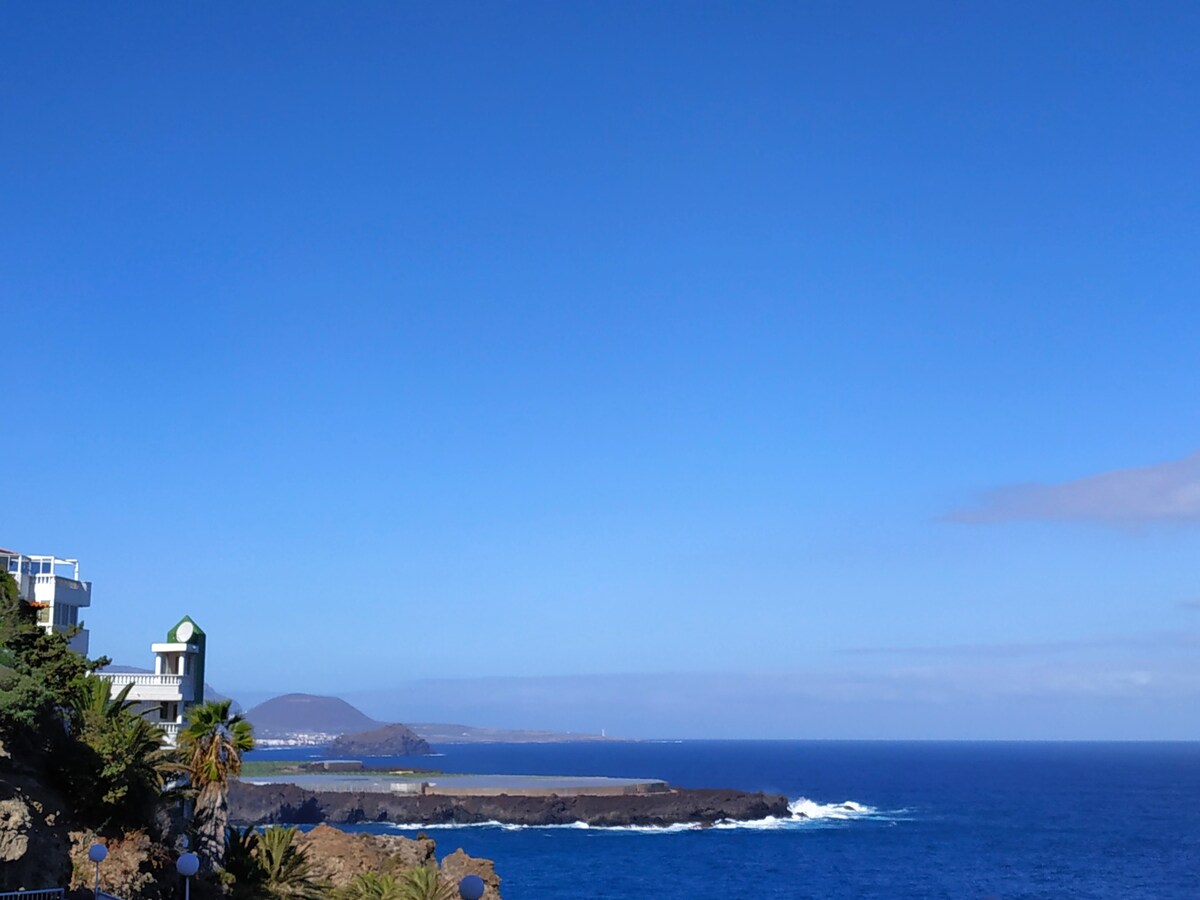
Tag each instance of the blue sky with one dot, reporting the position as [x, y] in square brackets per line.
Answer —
[770, 370]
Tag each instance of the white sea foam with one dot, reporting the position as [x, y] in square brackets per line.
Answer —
[440, 826]
[810, 809]
[803, 813]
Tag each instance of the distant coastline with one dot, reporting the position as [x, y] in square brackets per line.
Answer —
[311, 720]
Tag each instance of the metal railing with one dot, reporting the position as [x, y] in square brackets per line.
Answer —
[43, 894]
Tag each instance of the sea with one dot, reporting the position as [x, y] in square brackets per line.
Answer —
[1070, 821]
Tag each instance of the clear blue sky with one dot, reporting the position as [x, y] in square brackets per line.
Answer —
[660, 367]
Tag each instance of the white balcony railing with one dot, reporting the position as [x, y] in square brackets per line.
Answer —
[120, 679]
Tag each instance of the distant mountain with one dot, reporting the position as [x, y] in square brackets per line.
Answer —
[390, 740]
[307, 714]
[442, 733]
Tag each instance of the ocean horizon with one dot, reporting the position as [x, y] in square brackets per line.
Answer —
[1087, 820]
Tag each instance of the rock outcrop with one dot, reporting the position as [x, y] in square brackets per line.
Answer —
[35, 846]
[336, 857]
[136, 865]
[287, 803]
[390, 740]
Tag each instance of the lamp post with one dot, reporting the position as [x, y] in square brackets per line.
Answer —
[187, 865]
[471, 887]
[97, 853]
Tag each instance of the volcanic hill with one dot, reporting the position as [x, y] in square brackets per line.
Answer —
[307, 714]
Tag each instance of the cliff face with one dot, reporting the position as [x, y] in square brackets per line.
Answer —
[35, 846]
[285, 803]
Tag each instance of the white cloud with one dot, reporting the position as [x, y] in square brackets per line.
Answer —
[1167, 492]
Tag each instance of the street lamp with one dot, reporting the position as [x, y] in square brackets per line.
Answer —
[97, 853]
[187, 865]
[471, 887]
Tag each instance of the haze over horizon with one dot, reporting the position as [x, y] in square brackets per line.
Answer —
[681, 370]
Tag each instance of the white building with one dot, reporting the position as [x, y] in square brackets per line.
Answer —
[177, 683]
[52, 586]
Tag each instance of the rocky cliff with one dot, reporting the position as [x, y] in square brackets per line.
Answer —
[35, 845]
[286, 803]
[336, 857]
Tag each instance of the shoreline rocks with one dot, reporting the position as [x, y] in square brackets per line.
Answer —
[268, 804]
[336, 857]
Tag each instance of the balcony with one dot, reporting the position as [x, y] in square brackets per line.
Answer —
[151, 688]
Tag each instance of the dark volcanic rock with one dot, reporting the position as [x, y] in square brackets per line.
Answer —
[35, 847]
[251, 804]
[390, 740]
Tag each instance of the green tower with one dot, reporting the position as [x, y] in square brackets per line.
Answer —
[189, 633]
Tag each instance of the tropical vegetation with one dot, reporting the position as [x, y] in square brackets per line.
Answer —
[39, 673]
[420, 883]
[119, 765]
[115, 771]
[211, 748]
[268, 862]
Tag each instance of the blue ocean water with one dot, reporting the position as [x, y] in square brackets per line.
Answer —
[1087, 821]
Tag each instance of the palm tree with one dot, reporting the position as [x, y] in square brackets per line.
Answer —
[369, 886]
[121, 763]
[240, 862]
[285, 867]
[424, 883]
[211, 748]
[268, 863]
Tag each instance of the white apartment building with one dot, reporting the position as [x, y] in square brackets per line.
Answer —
[177, 683]
[52, 586]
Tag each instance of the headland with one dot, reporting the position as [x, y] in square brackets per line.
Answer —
[279, 803]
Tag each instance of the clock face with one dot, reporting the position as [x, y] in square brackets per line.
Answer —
[184, 632]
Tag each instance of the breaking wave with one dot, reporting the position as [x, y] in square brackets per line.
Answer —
[803, 813]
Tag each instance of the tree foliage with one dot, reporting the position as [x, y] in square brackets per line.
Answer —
[120, 762]
[110, 761]
[39, 672]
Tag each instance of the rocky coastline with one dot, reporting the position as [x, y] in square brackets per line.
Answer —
[268, 804]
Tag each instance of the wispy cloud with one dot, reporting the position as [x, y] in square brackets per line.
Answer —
[1166, 492]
